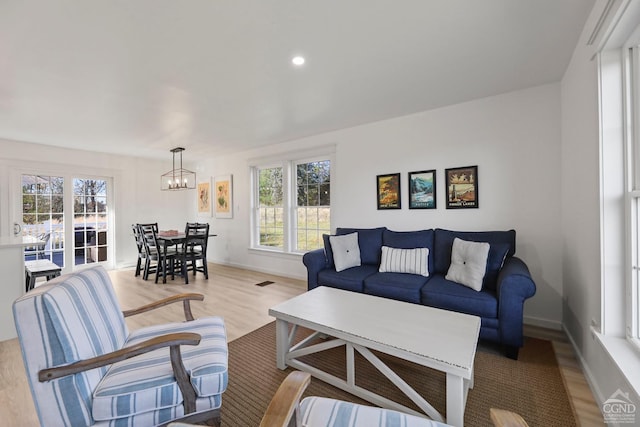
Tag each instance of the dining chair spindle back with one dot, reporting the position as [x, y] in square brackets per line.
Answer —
[147, 236]
[195, 249]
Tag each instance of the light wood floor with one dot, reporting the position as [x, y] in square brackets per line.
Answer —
[232, 293]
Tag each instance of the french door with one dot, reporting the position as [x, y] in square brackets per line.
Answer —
[69, 215]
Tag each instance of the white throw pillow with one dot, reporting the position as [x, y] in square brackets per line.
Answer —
[468, 263]
[346, 252]
[414, 261]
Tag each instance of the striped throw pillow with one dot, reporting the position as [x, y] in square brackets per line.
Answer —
[414, 261]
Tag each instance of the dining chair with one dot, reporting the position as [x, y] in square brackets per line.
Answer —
[164, 256]
[86, 368]
[194, 249]
[153, 259]
[140, 246]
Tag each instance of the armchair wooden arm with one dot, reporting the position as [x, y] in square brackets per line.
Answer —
[168, 340]
[286, 400]
[173, 341]
[186, 299]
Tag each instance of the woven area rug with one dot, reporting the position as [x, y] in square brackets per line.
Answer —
[531, 386]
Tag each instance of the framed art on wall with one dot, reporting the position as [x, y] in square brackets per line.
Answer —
[204, 198]
[223, 196]
[388, 191]
[422, 189]
[462, 187]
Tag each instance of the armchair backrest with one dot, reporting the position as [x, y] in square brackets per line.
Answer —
[73, 317]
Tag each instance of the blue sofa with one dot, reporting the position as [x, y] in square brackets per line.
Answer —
[506, 284]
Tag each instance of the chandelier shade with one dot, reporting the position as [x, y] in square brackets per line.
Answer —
[178, 178]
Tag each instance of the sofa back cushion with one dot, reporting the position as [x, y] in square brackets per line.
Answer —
[502, 245]
[411, 240]
[370, 242]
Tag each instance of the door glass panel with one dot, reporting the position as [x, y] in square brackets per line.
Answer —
[90, 220]
[42, 217]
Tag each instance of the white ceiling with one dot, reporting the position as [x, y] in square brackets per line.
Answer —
[142, 76]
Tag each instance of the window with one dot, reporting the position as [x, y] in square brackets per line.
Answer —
[619, 119]
[89, 220]
[292, 204]
[270, 207]
[43, 216]
[69, 215]
[313, 211]
[632, 95]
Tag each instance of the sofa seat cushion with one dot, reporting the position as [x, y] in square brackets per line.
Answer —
[326, 412]
[146, 383]
[398, 286]
[442, 293]
[162, 416]
[349, 280]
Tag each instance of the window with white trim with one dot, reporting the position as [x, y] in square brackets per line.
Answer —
[632, 101]
[291, 204]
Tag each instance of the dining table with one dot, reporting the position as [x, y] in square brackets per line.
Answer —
[167, 239]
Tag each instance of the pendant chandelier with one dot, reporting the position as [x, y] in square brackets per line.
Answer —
[180, 178]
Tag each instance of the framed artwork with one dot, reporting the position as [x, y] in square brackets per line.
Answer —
[223, 196]
[388, 191]
[204, 198]
[422, 189]
[462, 187]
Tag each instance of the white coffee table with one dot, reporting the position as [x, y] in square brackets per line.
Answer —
[439, 339]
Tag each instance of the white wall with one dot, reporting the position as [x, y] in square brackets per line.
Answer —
[136, 188]
[513, 138]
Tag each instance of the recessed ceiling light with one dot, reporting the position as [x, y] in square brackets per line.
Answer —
[298, 60]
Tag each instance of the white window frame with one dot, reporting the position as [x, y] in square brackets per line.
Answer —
[37, 168]
[294, 197]
[631, 79]
[288, 162]
[614, 330]
[255, 205]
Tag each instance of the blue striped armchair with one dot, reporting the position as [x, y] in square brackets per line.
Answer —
[286, 409]
[85, 368]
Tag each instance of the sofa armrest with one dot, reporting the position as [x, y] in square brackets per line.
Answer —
[514, 286]
[315, 261]
[514, 278]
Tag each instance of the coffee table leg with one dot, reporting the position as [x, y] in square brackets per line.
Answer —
[455, 400]
[282, 343]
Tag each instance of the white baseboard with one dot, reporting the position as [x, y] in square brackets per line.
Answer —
[260, 270]
[543, 323]
[597, 393]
